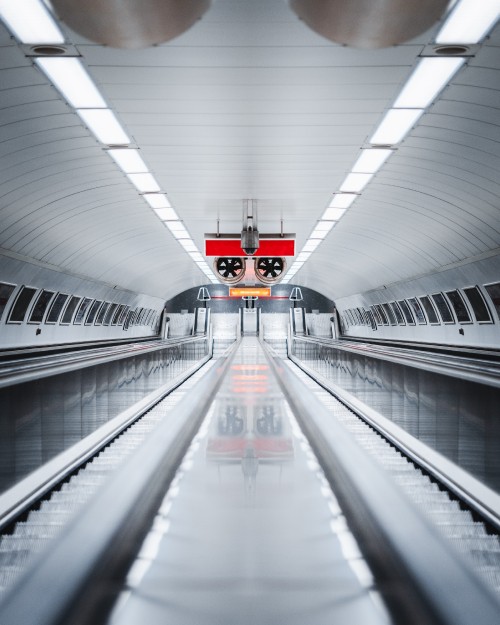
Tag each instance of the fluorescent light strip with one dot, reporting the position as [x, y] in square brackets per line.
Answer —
[158, 200]
[395, 126]
[30, 21]
[311, 245]
[104, 125]
[469, 21]
[144, 182]
[342, 200]
[355, 183]
[188, 245]
[72, 80]
[319, 234]
[129, 160]
[333, 213]
[166, 214]
[370, 161]
[324, 226]
[429, 78]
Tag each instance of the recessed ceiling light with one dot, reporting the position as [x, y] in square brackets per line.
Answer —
[343, 200]
[334, 213]
[320, 234]
[324, 226]
[188, 245]
[395, 125]
[166, 214]
[143, 182]
[70, 77]
[371, 160]
[469, 21]
[129, 160]
[355, 182]
[428, 79]
[157, 200]
[30, 21]
[104, 125]
[303, 256]
[311, 245]
[196, 256]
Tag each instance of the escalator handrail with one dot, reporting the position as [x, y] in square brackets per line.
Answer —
[428, 581]
[75, 580]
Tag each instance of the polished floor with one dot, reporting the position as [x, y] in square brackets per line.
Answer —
[249, 531]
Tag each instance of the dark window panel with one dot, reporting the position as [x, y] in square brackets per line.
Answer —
[382, 314]
[56, 308]
[93, 312]
[82, 309]
[390, 314]
[377, 316]
[6, 291]
[429, 309]
[70, 309]
[123, 315]
[20, 307]
[398, 313]
[40, 306]
[479, 307]
[417, 310]
[101, 313]
[109, 314]
[117, 315]
[406, 312]
[371, 319]
[459, 306]
[443, 308]
[493, 291]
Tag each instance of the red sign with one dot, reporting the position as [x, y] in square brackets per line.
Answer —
[232, 247]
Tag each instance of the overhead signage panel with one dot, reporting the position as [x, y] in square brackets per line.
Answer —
[249, 292]
[231, 246]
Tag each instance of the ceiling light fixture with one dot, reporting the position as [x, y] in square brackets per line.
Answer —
[469, 21]
[30, 21]
[144, 182]
[395, 126]
[166, 214]
[355, 183]
[128, 160]
[342, 200]
[158, 200]
[71, 79]
[104, 125]
[370, 161]
[333, 214]
[431, 75]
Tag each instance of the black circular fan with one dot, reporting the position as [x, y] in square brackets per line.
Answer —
[268, 270]
[229, 269]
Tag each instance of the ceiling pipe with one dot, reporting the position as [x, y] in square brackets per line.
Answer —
[130, 23]
[369, 23]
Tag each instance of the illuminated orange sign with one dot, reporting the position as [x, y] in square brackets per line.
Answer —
[250, 292]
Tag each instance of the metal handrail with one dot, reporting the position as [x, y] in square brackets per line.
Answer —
[478, 371]
[74, 581]
[424, 579]
[26, 370]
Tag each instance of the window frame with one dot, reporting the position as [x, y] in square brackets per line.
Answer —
[471, 305]
[28, 307]
[469, 322]
[450, 308]
[438, 318]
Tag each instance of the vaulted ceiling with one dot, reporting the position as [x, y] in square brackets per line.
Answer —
[249, 103]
